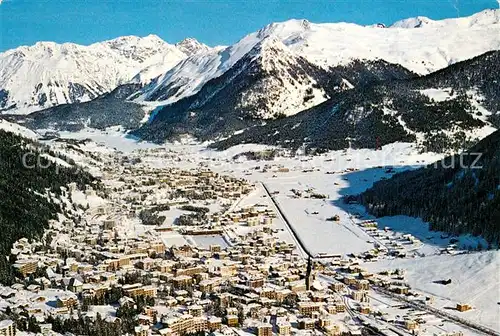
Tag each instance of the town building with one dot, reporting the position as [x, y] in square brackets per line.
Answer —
[7, 328]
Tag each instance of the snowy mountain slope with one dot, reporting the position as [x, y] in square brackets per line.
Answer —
[189, 76]
[109, 109]
[484, 18]
[416, 22]
[269, 82]
[434, 46]
[17, 129]
[188, 47]
[48, 74]
[477, 76]
[191, 46]
[288, 84]
[466, 110]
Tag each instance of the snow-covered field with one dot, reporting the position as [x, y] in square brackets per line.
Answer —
[206, 241]
[16, 129]
[112, 138]
[325, 175]
[475, 280]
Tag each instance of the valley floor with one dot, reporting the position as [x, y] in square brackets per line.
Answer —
[308, 192]
[476, 276]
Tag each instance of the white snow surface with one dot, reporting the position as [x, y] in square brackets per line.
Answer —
[434, 46]
[191, 46]
[438, 95]
[187, 47]
[475, 281]
[113, 137]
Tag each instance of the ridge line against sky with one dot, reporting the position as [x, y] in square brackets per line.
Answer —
[214, 22]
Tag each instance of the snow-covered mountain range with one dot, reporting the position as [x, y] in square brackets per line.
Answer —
[269, 82]
[278, 71]
[448, 110]
[48, 74]
[433, 46]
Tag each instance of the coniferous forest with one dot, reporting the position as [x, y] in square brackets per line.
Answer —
[460, 194]
[25, 207]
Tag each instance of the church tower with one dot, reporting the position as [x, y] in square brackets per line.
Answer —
[309, 274]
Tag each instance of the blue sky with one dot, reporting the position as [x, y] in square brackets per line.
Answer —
[24, 22]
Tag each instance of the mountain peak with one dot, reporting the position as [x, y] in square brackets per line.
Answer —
[153, 37]
[132, 42]
[268, 51]
[486, 17]
[284, 28]
[415, 22]
[268, 44]
[191, 46]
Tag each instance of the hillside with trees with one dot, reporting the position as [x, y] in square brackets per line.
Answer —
[458, 195]
[438, 112]
[29, 187]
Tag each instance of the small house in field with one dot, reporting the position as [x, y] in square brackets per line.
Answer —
[335, 218]
[462, 307]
